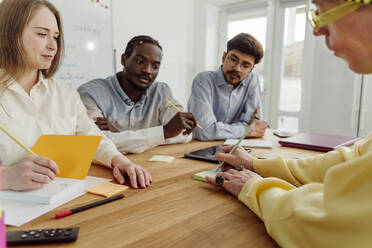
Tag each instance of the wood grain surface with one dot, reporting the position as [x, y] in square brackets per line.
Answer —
[175, 211]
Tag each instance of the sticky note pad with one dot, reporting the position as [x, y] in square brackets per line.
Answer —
[2, 230]
[161, 158]
[201, 175]
[107, 189]
[72, 153]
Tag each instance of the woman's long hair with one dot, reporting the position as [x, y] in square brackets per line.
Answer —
[14, 16]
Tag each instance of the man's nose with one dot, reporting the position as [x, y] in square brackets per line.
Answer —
[147, 68]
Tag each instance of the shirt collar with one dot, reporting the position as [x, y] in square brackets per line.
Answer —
[42, 81]
[221, 79]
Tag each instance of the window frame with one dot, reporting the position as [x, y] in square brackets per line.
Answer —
[274, 55]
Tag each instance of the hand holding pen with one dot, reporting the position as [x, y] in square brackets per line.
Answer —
[240, 157]
[31, 173]
[237, 143]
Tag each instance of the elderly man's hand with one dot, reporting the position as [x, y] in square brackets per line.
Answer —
[234, 180]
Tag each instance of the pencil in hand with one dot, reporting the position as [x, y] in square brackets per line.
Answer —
[179, 110]
[237, 144]
[17, 140]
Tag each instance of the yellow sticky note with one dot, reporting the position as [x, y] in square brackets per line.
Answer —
[107, 189]
[201, 175]
[72, 153]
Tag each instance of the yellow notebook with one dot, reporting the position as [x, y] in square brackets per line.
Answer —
[72, 153]
[201, 175]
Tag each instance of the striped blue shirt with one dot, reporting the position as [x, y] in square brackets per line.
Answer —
[221, 110]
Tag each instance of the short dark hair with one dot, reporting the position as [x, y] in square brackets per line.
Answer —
[246, 43]
[139, 40]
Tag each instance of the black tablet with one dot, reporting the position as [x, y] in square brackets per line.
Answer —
[206, 154]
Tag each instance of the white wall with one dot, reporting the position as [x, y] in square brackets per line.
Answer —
[191, 34]
[172, 23]
[213, 56]
[335, 93]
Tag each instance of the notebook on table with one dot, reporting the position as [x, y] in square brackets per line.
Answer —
[50, 193]
[318, 142]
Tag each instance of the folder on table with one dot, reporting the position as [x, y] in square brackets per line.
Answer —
[72, 153]
[318, 142]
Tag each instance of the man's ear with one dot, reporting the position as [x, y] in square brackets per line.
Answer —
[224, 57]
[123, 59]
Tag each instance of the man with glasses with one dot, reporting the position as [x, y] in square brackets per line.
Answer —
[226, 101]
[325, 200]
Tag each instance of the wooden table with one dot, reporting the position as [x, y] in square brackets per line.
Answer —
[175, 211]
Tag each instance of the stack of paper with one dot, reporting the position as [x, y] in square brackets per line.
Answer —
[250, 143]
[18, 212]
[73, 162]
[50, 193]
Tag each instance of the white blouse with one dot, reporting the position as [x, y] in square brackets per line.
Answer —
[51, 108]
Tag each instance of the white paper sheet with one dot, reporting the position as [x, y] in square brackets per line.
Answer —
[161, 158]
[18, 213]
[56, 190]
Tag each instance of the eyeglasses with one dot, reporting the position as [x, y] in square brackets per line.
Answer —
[320, 20]
[235, 62]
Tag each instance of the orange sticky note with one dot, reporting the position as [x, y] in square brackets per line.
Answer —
[107, 189]
[72, 153]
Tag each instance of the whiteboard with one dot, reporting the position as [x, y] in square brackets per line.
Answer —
[87, 26]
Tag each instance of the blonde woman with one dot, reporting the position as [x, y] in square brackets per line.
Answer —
[325, 200]
[32, 103]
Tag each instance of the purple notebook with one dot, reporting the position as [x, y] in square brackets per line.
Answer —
[318, 142]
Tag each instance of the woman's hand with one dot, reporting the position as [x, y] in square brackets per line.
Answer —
[137, 175]
[238, 157]
[32, 173]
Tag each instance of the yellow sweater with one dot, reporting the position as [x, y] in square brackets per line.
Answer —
[322, 201]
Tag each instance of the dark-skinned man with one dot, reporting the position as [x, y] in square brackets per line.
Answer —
[133, 109]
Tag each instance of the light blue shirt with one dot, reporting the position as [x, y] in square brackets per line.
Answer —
[141, 123]
[222, 111]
